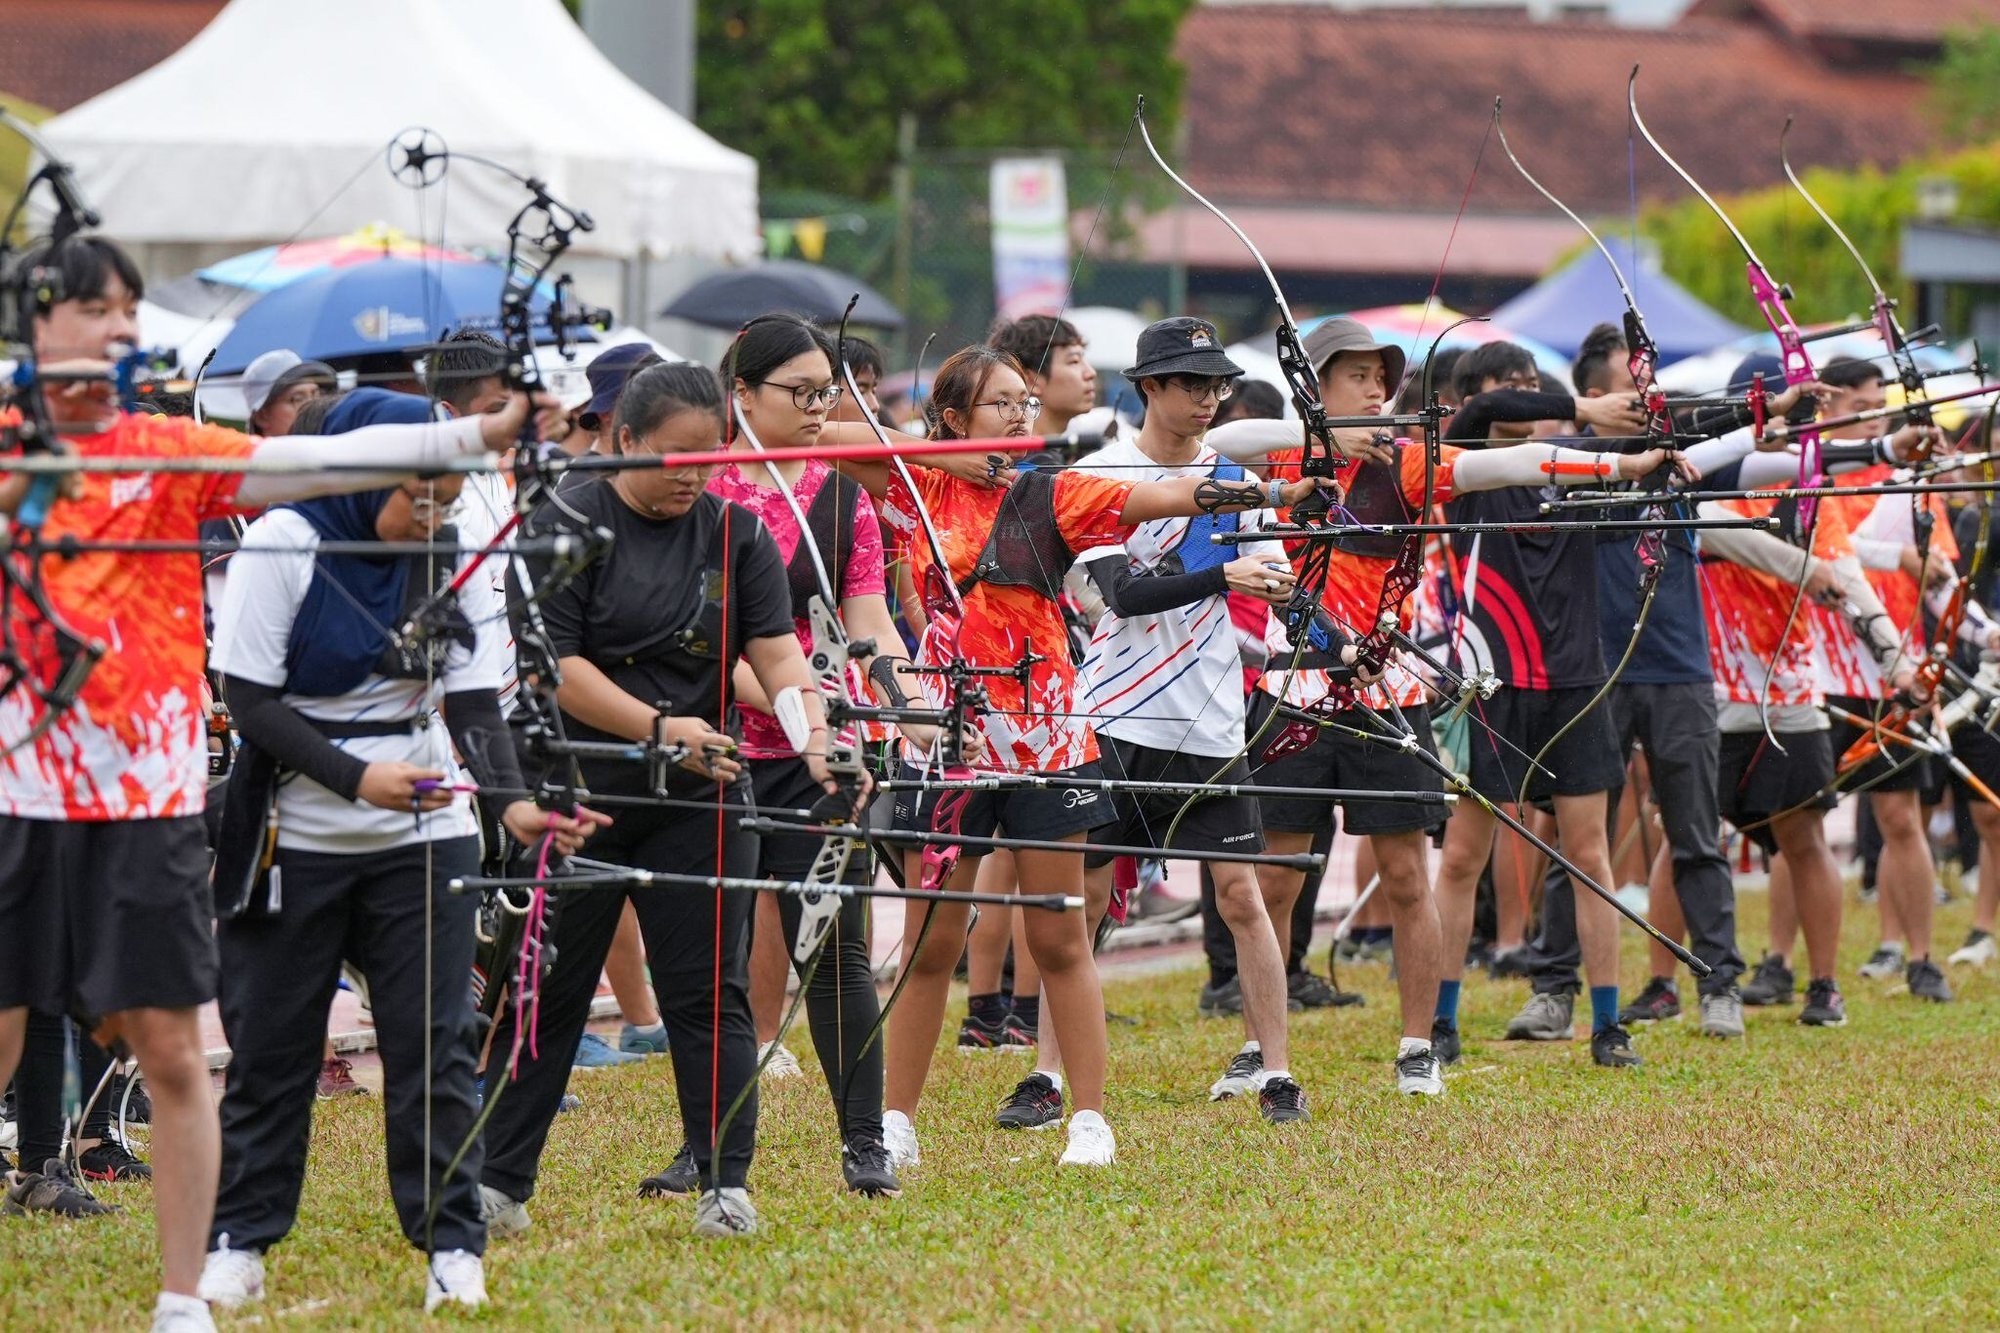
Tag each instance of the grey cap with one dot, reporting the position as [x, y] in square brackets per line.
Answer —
[276, 371]
[1331, 337]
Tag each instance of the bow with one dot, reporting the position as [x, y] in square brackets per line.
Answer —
[41, 653]
[1642, 358]
[1770, 297]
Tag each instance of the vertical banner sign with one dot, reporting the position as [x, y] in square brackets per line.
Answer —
[1030, 235]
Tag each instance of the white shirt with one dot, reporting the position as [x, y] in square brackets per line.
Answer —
[253, 627]
[483, 508]
[1172, 681]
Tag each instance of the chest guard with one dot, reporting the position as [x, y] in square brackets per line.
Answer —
[1375, 495]
[1025, 549]
[830, 528]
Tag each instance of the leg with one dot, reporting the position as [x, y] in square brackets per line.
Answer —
[1399, 859]
[1784, 925]
[1906, 875]
[1060, 944]
[841, 1007]
[423, 1008]
[527, 1078]
[770, 968]
[1801, 837]
[187, 1145]
[933, 935]
[38, 1091]
[1580, 826]
[1261, 962]
[279, 974]
[1986, 818]
[625, 968]
[1663, 909]
[1683, 758]
[986, 949]
[1468, 842]
[13, 1026]
[1217, 944]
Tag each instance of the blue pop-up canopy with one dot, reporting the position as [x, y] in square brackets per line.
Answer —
[1563, 307]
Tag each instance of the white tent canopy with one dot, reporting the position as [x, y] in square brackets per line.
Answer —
[278, 109]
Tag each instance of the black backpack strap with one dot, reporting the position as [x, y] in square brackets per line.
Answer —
[830, 527]
[1025, 548]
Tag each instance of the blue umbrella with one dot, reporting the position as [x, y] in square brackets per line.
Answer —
[385, 305]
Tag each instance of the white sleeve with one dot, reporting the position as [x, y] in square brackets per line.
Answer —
[1711, 456]
[399, 450]
[1249, 439]
[1768, 469]
[1875, 553]
[485, 666]
[1529, 465]
[1750, 548]
[261, 598]
[1256, 520]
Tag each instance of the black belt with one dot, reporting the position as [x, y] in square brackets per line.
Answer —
[342, 731]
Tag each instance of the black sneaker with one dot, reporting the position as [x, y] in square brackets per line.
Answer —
[139, 1109]
[1282, 1101]
[1927, 981]
[49, 1190]
[1035, 1103]
[982, 1034]
[112, 1160]
[1444, 1041]
[864, 1164]
[1824, 1007]
[681, 1179]
[1309, 990]
[1612, 1048]
[1017, 1035]
[1660, 1001]
[1771, 983]
[1224, 1001]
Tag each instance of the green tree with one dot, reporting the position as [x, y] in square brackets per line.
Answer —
[1964, 96]
[814, 90]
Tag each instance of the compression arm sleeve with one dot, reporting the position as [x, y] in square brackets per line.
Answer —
[1249, 439]
[400, 450]
[1530, 465]
[1752, 549]
[1128, 594]
[487, 747]
[262, 716]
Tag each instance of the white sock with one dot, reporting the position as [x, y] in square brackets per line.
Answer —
[1052, 1076]
[1413, 1046]
[173, 1301]
[1250, 1046]
[1270, 1074]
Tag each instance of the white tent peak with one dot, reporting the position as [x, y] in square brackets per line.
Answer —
[278, 109]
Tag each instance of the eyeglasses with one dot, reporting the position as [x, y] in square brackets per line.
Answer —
[1219, 389]
[1025, 409]
[806, 397]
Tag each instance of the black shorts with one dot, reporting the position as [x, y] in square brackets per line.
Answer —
[1906, 769]
[1979, 751]
[1212, 823]
[1754, 782]
[1338, 760]
[1043, 813]
[787, 784]
[1511, 728]
[101, 916]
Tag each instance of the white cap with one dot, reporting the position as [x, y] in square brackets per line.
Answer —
[282, 366]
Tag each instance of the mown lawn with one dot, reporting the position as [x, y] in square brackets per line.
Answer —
[1821, 1178]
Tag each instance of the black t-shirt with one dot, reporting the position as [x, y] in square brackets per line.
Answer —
[666, 611]
[1533, 604]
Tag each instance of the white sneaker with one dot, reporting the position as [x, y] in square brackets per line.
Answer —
[1980, 949]
[10, 1133]
[1418, 1073]
[230, 1278]
[725, 1212]
[783, 1063]
[504, 1215]
[1886, 961]
[899, 1136]
[1243, 1077]
[186, 1315]
[457, 1277]
[1090, 1141]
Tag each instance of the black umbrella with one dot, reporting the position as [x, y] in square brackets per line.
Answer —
[731, 298]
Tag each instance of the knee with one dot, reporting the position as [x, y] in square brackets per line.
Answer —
[1240, 901]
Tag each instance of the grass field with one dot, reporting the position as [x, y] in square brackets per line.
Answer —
[1831, 1179]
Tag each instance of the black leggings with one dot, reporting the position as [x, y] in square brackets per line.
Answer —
[38, 1089]
[704, 999]
[841, 1004]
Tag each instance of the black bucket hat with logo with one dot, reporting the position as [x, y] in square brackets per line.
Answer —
[1182, 345]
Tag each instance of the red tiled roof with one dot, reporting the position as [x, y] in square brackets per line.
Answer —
[1911, 22]
[1304, 104]
[57, 53]
[1311, 240]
